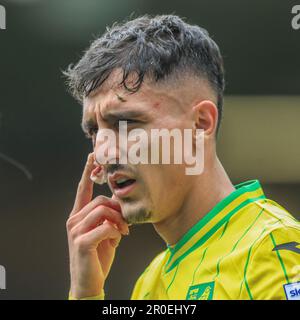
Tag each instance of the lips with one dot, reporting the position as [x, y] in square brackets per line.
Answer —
[121, 184]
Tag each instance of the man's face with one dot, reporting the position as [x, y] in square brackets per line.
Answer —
[154, 191]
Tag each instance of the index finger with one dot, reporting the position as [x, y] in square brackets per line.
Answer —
[85, 187]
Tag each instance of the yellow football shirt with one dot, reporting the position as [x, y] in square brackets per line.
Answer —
[246, 247]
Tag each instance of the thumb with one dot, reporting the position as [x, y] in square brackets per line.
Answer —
[114, 242]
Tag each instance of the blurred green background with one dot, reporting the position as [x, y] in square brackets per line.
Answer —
[42, 148]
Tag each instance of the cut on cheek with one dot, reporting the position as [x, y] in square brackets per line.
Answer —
[156, 105]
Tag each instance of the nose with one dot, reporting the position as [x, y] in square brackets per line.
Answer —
[106, 148]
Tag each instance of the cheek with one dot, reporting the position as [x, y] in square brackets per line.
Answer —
[152, 178]
[162, 177]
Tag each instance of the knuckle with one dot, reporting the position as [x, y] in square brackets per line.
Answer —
[108, 227]
[70, 223]
[80, 244]
[101, 209]
[73, 234]
[100, 199]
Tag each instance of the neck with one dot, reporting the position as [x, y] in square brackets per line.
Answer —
[212, 186]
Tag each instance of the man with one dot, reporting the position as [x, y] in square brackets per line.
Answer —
[222, 241]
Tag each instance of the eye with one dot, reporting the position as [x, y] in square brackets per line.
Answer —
[128, 122]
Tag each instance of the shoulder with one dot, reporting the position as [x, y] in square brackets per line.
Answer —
[148, 275]
[278, 225]
[274, 209]
[273, 259]
[155, 263]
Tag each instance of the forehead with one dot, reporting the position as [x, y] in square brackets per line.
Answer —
[113, 97]
[152, 98]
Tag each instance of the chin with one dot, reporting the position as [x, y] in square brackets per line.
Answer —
[135, 213]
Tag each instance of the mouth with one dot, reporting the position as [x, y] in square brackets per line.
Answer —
[121, 184]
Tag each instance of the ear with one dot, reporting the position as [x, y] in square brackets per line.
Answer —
[206, 117]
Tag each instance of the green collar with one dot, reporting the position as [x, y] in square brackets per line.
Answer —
[245, 193]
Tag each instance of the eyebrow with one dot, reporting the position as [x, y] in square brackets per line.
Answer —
[111, 117]
[122, 115]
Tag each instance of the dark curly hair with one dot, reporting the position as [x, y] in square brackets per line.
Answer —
[157, 47]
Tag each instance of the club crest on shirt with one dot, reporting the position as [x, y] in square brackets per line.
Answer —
[203, 291]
